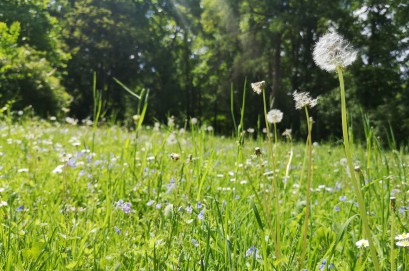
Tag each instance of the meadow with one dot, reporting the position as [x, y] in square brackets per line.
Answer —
[166, 198]
[98, 196]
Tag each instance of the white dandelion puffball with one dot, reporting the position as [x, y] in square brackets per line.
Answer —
[303, 99]
[274, 116]
[258, 87]
[332, 51]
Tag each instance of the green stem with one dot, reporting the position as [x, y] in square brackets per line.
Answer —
[276, 202]
[308, 196]
[356, 185]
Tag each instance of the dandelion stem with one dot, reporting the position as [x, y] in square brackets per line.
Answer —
[308, 192]
[356, 185]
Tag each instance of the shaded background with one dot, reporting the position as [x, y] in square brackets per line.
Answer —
[190, 53]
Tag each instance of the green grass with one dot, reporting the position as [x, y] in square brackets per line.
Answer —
[70, 219]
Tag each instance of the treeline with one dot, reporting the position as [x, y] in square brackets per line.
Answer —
[191, 54]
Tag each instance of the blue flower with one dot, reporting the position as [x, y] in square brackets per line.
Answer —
[195, 243]
[322, 266]
[117, 230]
[189, 209]
[19, 209]
[343, 198]
[337, 209]
[201, 215]
[150, 202]
[253, 252]
[199, 205]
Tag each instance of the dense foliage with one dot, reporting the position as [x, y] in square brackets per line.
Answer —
[191, 54]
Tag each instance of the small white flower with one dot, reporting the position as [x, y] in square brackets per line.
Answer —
[303, 99]
[332, 51]
[274, 116]
[403, 243]
[362, 243]
[258, 87]
[402, 236]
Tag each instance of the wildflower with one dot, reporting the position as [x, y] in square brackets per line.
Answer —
[3, 203]
[402, 236]
[337, 209]
[199, 205]
[201, 215]
[274, 116]
[403, 243]
[253, 252]
[189, 209]
[303, 99]
[19, 209]
[158, 206]
[322, 266]
[125, 206]
[117, 230]
[58, 169]
[362, 243]
[332, 51]
[343, 198]
[250, 130]
[195, 243]
[258, 87]
[170, 186]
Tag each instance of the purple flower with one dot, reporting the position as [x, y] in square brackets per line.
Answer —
[195, 243]
[150, 202]
[199, 205]
[343, 198]
[322, 266]
[158, 206]
[117, 230]
[19, 209]
[201, 215]
[337, 209]
[253, 252]
[72, 162]
[189, 209]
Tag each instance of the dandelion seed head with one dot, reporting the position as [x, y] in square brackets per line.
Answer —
[303, 99]
[258, 87]
[275, 116]
[332, 51]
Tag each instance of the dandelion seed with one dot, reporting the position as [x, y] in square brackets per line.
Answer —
[332, 51]
[362, 243]
[258, 87]
[303, 99]
[274, 116]
[287, 133]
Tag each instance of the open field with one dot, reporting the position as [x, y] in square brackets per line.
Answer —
[74, 198]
